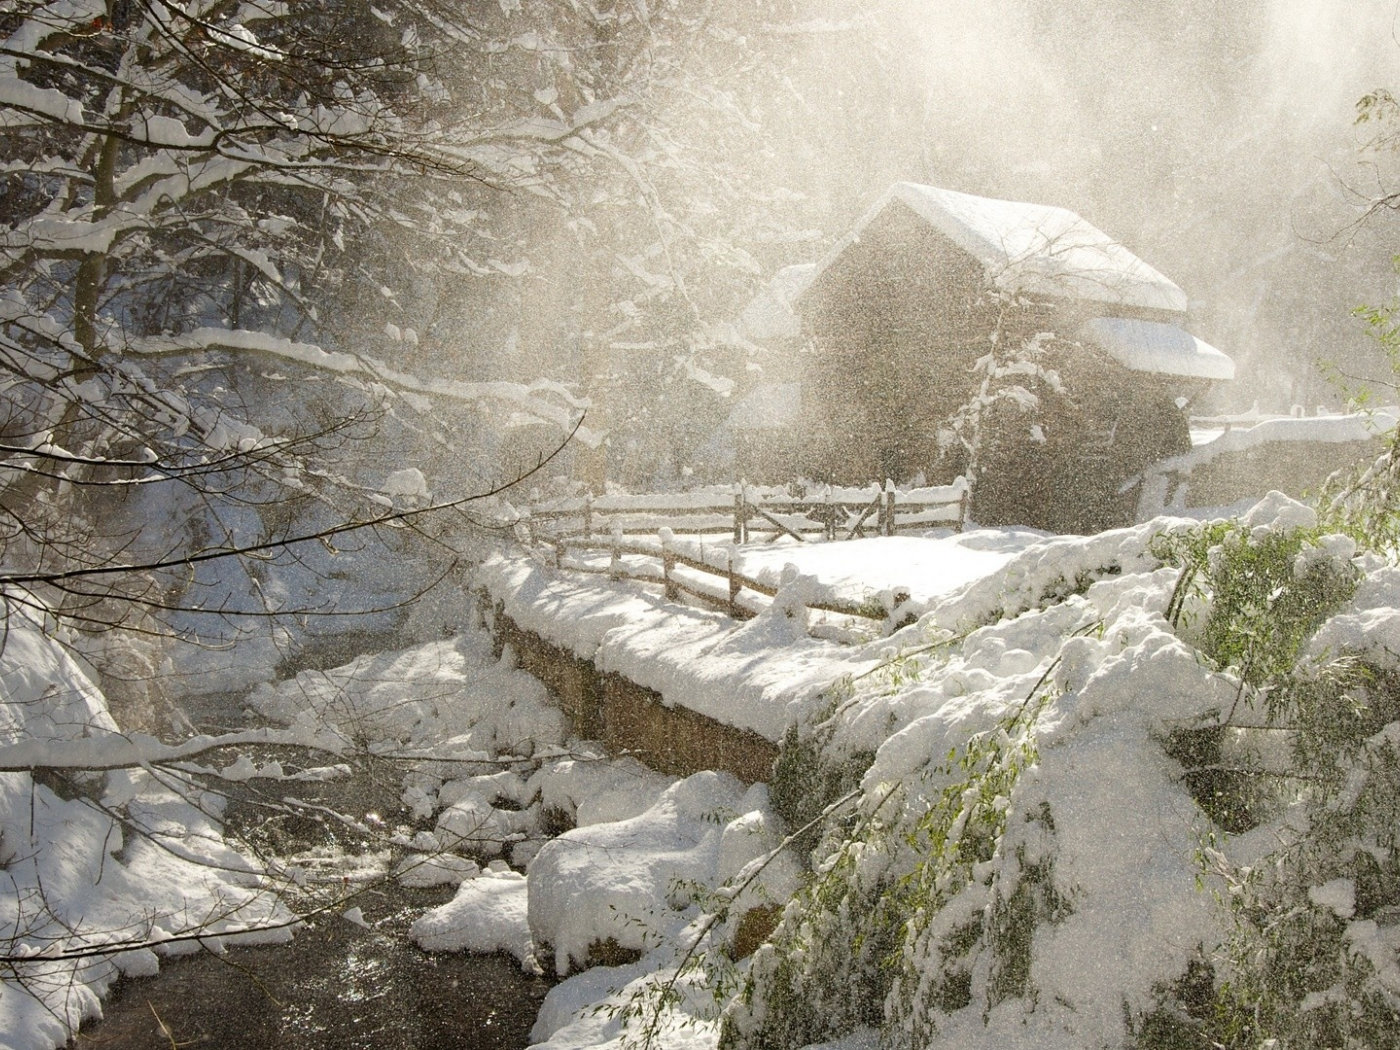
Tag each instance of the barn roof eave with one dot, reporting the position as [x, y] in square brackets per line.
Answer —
[1151, 346]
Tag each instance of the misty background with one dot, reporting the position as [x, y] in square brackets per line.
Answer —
[1216, 140]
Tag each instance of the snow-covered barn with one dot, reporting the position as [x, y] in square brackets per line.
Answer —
[893, 320]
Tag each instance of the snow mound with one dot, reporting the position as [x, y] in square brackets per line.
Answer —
[636, 881]
[487, 915]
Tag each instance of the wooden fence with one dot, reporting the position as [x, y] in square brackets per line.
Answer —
[749, 512]
[660, 538]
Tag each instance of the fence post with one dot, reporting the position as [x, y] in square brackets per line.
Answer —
[888, 523]
[739, 513]
[559, 553]
[733, 587]
[668, 567]
[588, 517]
[830, 515]
[615, 565]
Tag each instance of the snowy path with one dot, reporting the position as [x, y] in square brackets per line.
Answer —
[927, 567]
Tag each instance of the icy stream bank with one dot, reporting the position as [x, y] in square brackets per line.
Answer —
[348, 978]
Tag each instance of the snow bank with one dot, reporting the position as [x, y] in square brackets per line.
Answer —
[596, 1009]
[487, 915]
[764, 675]
[1123, 836]
[450, 695]
[695, 659]
[99, 860]
[927, 568]
[634, 881]
[1081, 617]
[479, 732]
[593, 792]
[1091, 902]
[1167, 484]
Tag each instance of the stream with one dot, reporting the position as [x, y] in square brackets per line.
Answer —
[336, 984]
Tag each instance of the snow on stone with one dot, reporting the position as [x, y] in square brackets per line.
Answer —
[636, 880]
[590, 1011]
[487, 915]
[620, 880]
[592, 792]
[420, 870]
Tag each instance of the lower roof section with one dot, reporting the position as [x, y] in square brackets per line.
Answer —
[1150, 346]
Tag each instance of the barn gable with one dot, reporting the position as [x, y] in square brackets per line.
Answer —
[1022, 249]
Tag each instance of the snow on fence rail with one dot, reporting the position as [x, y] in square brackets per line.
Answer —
[626, 536]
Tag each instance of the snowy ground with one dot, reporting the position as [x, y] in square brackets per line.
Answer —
[927, 567]
[1063, 639]
[641, 902]
[767, 675]
[120, 859]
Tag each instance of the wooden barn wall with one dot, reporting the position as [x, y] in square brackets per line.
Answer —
[891, 320]
[899, 319]
[1108, 427]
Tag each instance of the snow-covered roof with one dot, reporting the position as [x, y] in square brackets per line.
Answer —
[1031, 248]
[1148, 346]
[769, 314]
[768, 406]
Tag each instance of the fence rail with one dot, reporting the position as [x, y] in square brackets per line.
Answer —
[659, 531]
[748, 512]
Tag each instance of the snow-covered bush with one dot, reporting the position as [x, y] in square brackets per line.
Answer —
[1313, 890]
[1044, 850]
[976, 896]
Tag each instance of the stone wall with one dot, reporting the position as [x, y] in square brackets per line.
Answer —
[1211, 476]
[1295, 468]
[627, 717]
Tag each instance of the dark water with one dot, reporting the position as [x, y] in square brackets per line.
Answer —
[336, 984]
